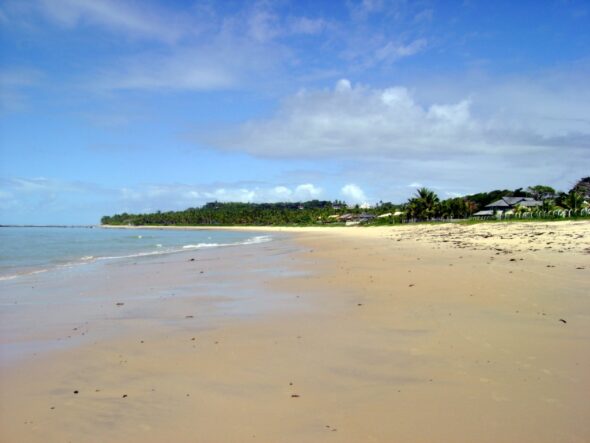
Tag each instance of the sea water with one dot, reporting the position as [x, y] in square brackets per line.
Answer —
[29, 250]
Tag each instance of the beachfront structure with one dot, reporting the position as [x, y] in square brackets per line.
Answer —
[355, 219]
[365, 218]
[506, 204]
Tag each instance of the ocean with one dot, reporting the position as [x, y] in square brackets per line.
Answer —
[29, 250]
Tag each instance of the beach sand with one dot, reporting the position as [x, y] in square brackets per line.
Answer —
[429, 333]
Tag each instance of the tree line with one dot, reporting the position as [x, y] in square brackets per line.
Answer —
[424, 205]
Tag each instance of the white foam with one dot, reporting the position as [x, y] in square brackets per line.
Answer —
[248, 241]
[139, 254]
[204, 245]
[39, 271]
[89, 258]
[258, 239]
[13, 276]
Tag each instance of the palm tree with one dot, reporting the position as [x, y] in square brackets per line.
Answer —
[424, 205]
[548, 205]
[574, 200]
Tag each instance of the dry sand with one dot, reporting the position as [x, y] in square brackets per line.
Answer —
[443, 333]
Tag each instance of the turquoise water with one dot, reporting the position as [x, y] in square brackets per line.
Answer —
[30, 250]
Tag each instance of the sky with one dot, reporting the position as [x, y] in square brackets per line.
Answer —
[110, 106]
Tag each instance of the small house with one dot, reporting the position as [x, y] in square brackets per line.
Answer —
[507, 204]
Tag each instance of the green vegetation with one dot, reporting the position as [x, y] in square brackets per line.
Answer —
[253, 214]
[425, 205]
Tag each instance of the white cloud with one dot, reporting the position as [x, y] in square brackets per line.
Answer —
[201, 48]
[358, 121]
[393, 51]
[390, 123]
[47, 200]
[118, 15]
[234, 53]
[306, 25]
[364, 8]
[37, 185]
[242, 195]
[353, 193]
[204, 69]
[307, 191]
[263, 24]
[343, 85]
[207, 47]
[452, 194]
[180, 196]
[282, 192]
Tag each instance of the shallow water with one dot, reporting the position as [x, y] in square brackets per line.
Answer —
[39, 249]
[199, 288]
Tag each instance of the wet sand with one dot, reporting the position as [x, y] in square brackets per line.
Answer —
[412, 334]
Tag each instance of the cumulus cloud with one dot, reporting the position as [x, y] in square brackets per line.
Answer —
[46, 200]
[180, 196]
[353, 193]
[358, 121]
[307, 192]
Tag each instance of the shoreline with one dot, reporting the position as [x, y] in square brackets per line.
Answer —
[11, 269]
[479, 235]
[67, 291]
[462, 222]
[375, 332]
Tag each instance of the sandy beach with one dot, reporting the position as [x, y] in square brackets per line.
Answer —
[427, 333]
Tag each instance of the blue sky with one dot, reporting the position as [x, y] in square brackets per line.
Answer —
[127, 105]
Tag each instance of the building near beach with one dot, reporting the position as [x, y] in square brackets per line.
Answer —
[506, 204]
